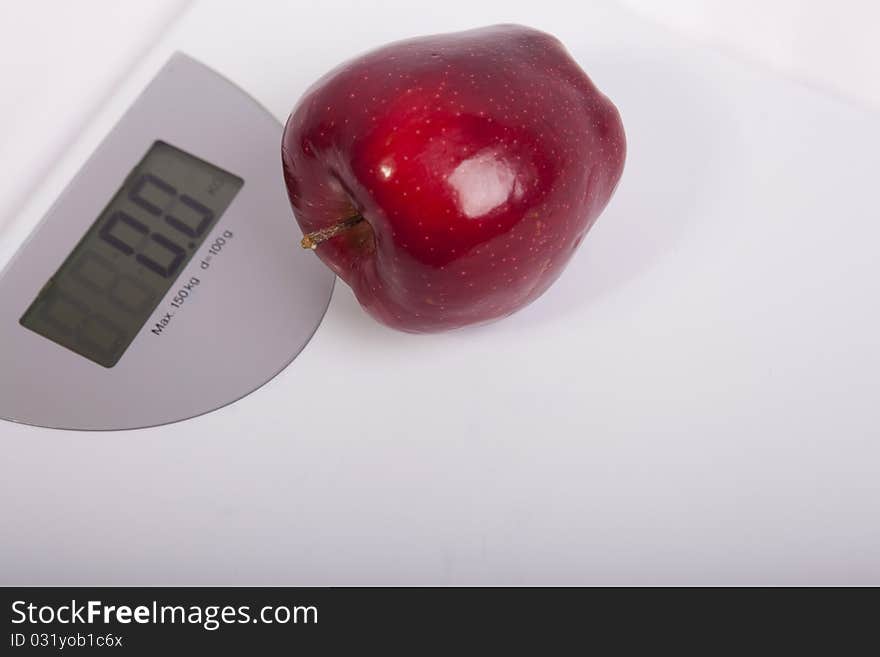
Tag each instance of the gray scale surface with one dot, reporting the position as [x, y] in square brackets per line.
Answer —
[259, 296]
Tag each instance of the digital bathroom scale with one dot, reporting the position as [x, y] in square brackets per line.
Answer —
[694, 401]
[167, 279]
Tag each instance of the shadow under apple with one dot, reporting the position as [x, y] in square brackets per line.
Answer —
[673, 121]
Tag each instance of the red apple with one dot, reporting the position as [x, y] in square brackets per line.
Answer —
[449, 179]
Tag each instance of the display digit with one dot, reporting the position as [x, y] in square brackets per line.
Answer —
[205, 220]
[136, 194]
[111, 282]
[117, 242]
[177, 253]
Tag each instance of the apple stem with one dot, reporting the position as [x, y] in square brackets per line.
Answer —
[313, 239]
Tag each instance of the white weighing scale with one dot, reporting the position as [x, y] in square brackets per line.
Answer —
[695, 401]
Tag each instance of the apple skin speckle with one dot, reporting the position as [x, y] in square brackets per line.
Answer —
[456, 149]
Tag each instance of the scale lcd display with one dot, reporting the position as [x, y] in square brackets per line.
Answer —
[107, 288]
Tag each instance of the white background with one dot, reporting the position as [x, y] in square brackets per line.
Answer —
[832, 45]
[695, 401]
